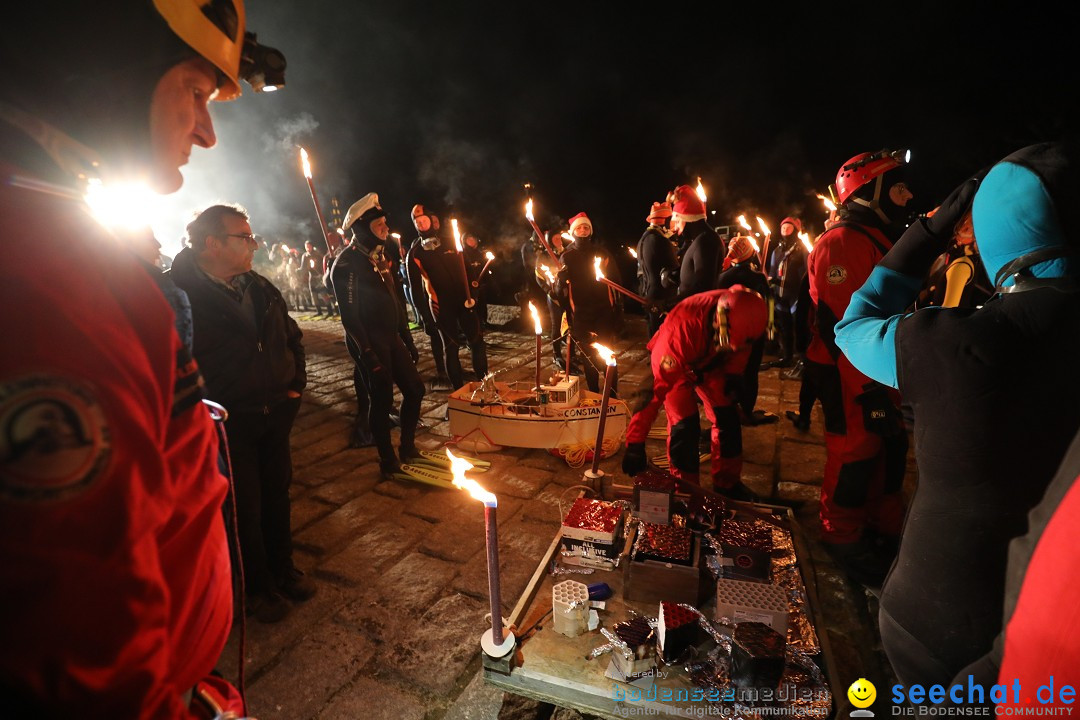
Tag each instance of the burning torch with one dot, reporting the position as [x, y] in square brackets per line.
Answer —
[701, 191]
[314, 198]
[469, 302]
[765, 245]
[746, 226]
[614, 285]
[539, 232]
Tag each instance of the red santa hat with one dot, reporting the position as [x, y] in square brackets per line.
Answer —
[659, 211]
[579, 219]
[687, 205]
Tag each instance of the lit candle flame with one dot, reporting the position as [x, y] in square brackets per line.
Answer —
[489, 255]
[457, 234]
[742, 222]
[528, 211]
[306, 162]
[827, 202]
[633, 252]
[536, 319]
[608, 355]
[701, 191]
[764, 228]
[596, 267]
[805, 237]
[459, 466]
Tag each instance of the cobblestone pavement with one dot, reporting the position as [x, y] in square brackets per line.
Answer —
[400, 567]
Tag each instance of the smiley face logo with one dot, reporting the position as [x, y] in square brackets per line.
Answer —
[862, 693]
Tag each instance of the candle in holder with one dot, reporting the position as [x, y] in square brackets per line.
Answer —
[469, 302]
[609, 377]
[539, 340]
[496, 645]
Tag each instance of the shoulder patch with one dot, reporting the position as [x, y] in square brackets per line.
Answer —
[54, 441]
[836, 274]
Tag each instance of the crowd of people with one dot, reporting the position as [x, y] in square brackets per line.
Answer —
[136, 405]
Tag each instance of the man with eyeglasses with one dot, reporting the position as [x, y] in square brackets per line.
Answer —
[252, 358]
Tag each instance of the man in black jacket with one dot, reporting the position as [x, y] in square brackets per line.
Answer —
[702, 249]
[595, 309]
[377, 329]
[438, 269]
[252, 358]
[656, 254]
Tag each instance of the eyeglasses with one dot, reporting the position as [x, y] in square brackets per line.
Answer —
[246, 236]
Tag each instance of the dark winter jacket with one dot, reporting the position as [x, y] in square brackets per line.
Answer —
[656, 253]
[367, 296]
[248, 348]
[701, 260]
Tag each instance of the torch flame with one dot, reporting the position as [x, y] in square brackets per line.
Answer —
[547, 271]
[596, 267]
[528, 211]
[633, 252]
[489, 255]
[459, 466]
[764, 228]
[457, 234]
[396, 236]
[827, 202]
[753, 243]
[742, 222]
[701, 191]
[306, 162]
[536, 319]
[608, 355]
[567, 238]
[805, 237]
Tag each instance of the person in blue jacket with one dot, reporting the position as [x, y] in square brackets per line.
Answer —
[995, 395]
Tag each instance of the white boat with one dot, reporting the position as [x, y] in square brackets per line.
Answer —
[561, 417]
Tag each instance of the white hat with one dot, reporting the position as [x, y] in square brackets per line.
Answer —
[366, 208]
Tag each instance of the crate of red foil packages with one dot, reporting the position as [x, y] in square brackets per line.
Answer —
[592, 533]
[594, 521]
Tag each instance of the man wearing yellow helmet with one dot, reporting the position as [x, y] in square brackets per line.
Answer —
[116, 579]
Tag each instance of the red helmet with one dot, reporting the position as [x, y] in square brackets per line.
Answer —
[741, 316]
[863, 168]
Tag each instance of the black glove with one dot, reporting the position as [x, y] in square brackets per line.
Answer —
[634, 460]
[927, 238]
[669, 278]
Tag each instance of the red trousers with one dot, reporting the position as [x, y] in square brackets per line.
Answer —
[864, 469]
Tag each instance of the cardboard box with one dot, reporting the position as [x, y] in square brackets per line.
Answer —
[654, 496]
[742, 601]
[652, 581]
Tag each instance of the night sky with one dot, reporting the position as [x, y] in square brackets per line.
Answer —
[605, 106]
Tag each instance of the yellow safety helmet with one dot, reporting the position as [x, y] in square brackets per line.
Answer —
[216, 29]
[219, 40]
